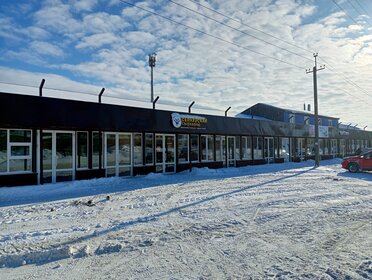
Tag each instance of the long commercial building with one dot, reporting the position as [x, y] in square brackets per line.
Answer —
[48, 140]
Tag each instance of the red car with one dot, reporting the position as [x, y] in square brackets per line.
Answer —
[360, 162]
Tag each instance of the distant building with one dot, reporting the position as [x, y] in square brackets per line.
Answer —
[288, 116]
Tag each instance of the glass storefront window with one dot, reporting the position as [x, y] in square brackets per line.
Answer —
[137, 148]
[207, 147]
[110, 150]
[210, 143]
[16, 165]
[257, 147]
[82, 150]
[183, 148]
[237, 147]
[124, 149]
[20, 136]
[64, 150]
[284, 148]
[20, 151]
[194, 155]
[310, 147]
[247, 147]
[149, 148]
[96, 149]
[3, 151]
[218, 148]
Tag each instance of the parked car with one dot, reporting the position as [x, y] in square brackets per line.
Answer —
[358, 162]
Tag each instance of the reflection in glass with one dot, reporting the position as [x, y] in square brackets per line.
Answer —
[20, 136]
[183, 148]
[169, 149]
[210, 143]
[64, 150]
[218, 148]
[194, 155]
[231, 149]
[110, 150]
[149, 146]
[82, 149]
[159, 148]
[96, 149]
[258, 150]
[203, 146]
[20, 151]
[137, 148]
[19, 165]
[124, 149]
[47, 151]
[3, 151]
[237, 147]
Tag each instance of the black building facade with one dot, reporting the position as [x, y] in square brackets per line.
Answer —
[48, 140]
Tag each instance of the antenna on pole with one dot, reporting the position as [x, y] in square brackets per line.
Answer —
[316, 116]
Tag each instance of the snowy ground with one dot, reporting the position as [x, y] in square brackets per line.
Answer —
[280, 221]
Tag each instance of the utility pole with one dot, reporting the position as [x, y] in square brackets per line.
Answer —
[316, 117]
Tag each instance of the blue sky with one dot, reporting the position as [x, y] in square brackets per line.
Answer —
[88, 44]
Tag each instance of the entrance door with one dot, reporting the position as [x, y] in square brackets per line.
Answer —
[118, 154]
[230, 151]
[58, 156]
[269, 149]
[165, 146]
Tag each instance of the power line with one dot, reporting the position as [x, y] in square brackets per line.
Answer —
[354, 7]
[360, 5]
[251, 27]
[345, 12]
[210, 35]
[358, 11]
[241, 31]
[228, 17]
[346, 79]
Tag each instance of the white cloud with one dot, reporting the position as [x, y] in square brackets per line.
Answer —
[45, 48]
[97, 40]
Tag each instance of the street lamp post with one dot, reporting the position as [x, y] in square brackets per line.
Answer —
[152, 61]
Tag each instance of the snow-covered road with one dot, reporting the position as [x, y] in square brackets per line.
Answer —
[281, 221]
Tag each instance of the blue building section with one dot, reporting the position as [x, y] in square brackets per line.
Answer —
[289, 116]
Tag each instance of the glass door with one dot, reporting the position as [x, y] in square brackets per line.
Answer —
[230, 151]
[58, 156]
[165, 148]
[118, 154]
[269, 149]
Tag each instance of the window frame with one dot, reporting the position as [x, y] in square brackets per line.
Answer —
[10, 157]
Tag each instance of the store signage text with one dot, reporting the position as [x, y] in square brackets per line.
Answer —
[189, 121]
